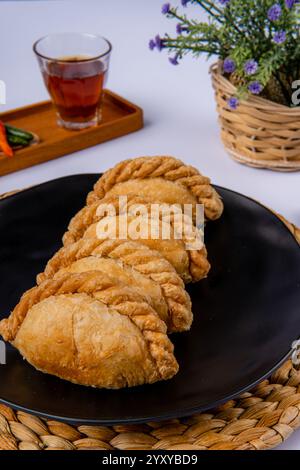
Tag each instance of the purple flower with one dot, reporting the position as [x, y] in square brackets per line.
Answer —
[275, 12]
[184, 2]
[250, 67]
[255, 87]
[159, 42]
[279, 37]
[233, 103]
[152, 44]
[165, 9]
[290, 3]
[229, 65]
[174, 60]
[181, 29]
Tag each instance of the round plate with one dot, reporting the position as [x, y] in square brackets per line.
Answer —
[246, 312]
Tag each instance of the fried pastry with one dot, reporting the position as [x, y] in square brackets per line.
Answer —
[113, 205]
[111, 336]
[101, 310]
[191, 264]
[134, 264]
[161, 179]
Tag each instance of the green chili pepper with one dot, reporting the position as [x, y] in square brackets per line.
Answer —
[17, 141]
[14, 131]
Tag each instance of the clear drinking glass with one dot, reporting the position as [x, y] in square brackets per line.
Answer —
[74, 68]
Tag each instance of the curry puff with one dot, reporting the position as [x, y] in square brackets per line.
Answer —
[103, 307]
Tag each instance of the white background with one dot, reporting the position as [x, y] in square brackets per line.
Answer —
[180, 117]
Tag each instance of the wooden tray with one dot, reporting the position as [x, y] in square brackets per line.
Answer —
[120, 117]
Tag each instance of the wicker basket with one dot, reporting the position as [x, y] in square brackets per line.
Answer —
[260, 133]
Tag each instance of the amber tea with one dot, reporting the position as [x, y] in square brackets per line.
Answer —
[75, 85]
[74, 67]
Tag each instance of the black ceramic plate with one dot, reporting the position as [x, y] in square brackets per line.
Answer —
[246, 312]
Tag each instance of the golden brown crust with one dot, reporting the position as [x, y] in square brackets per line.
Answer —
[168, 168]
[193, 268]
[144, 260]
[93, 328]
[88, 215]
[127, 276]
[191, 265]
[96, 346]
[106, 289]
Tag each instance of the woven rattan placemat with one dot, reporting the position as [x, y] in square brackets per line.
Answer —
[260, 419]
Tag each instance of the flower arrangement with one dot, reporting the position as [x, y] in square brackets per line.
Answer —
[257, 42]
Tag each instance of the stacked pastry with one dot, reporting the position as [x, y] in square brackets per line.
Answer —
[102, 309]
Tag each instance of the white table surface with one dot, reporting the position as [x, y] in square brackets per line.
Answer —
[180, 117]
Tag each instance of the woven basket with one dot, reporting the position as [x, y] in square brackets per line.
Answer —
[260, 133]
[260, 419]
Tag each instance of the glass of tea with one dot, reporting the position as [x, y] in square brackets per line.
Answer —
[74, 67]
